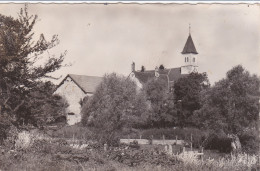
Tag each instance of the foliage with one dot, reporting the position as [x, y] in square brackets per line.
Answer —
[134, 157]
[232, 104]
[142, 68]
[115, 104]
[21, 56]
[43, 108]
[218, 141]
[249, 141]
[187, 92]
[162, 112]
[161, 67]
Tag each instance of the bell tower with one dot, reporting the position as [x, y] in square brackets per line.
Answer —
[189, 53]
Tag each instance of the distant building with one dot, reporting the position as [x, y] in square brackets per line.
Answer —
[74, 88]
[190, 64]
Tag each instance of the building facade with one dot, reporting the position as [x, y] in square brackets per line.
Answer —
[189, 65]
[74, 88]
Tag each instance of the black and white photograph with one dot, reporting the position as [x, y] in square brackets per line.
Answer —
[105, 86]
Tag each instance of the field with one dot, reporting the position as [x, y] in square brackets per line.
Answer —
[37, 151]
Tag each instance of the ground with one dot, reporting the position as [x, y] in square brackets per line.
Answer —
[48, 153]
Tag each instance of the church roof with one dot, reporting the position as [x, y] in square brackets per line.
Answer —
[173, 73]
[87, 84]
[189, 47]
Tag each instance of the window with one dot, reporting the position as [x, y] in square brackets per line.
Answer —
[187, 59]
[193, 59]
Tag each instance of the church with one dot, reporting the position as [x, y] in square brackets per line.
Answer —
[189, 65]
[75, 87]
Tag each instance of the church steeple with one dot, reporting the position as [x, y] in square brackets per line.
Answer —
[189, 46]
[190, 56]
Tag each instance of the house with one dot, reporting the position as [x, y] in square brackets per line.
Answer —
[74, 88]
[189, 65]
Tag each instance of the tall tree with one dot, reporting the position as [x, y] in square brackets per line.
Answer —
[232, 104]
[187, 92]
[115, 104]
[20, 69]
[162, 112]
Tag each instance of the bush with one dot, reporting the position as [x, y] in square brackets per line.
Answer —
[220, 142]
[249, 141]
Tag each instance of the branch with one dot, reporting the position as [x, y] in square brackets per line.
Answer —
[18, 106]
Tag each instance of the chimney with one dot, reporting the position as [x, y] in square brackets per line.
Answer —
[133, 67]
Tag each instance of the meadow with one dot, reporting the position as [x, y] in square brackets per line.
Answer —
[35, 150]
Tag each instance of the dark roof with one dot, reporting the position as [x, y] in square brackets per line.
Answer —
[189, 47]
[88, 84]
[173, 73]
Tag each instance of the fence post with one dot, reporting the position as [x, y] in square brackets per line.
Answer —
[73, 139]
[105, 147]
[202, 151]
[176, 139]
[191, 142]
[170, 149]
[163, 139]
[166, 149]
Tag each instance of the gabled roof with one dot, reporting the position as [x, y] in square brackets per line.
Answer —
[87, 84]
[189, 47]
[173, 73]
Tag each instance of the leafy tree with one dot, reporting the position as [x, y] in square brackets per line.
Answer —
[114, 105]
[142, 68]
[187, 92]
[162, 110]
[43, 107]
[232, 104]
[161, 67]
[20, 69]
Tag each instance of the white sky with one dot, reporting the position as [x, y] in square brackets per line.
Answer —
[108, 38]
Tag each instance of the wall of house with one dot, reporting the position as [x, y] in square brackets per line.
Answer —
[73, 94]
[133, 78]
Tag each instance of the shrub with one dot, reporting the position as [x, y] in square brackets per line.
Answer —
[220, 142]
[249, 141]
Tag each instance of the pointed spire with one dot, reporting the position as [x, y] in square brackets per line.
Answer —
[189, 28]
[189, 46]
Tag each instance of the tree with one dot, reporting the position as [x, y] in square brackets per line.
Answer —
[187, 92]
[162, 110]
[232, 104]
[43, 107]
[20, 70]
[114, 105]
[142, 68]
[161, 67]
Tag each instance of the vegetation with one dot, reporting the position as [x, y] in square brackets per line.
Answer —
[192, 111]
[228, 109]
[187, 91]
[21, 72]
[142, 68]
[114, 105]
[161, 112]
[231, 107]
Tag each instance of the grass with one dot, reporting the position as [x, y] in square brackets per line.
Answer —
[32, 154]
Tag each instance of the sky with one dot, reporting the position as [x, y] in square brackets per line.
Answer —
[103, 38]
